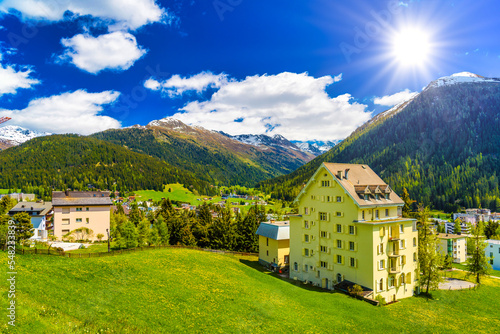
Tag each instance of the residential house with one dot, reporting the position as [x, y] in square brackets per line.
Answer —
[349, 230]
[493, 252]
[453, 245]
[75, 209]
[39, 212]
[274, 243]
[20, 197]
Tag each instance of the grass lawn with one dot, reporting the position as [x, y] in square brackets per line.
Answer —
[463, 267]
[177, 193]
[188, 291]
[440, 214]
[6, 191]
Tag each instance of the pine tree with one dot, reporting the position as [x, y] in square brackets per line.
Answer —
[477, 263]
[408, 203]
[457, 229]
[24, 227]
[162, 231]
[143, 231]
[128, 235]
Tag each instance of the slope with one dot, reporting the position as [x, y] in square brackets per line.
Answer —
[62, 161]
[210, 155]
[187, 291]
[443, 146]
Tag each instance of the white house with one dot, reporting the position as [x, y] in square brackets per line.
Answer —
[39, 212]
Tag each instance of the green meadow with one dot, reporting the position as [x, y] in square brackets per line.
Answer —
[188, 291]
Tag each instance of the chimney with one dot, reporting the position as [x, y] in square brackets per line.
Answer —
[66, 192]
[346, 173]
[339, 174]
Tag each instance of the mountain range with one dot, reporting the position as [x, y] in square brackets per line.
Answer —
[443, 145]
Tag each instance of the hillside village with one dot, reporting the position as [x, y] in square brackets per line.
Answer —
[348, 232]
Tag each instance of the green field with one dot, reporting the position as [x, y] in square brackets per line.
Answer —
[463, 267]
[6, 191]
[177, 193]
[187, 291]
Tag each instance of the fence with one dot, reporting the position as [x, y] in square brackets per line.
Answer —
[124, 251]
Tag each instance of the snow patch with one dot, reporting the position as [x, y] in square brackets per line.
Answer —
[18, 135]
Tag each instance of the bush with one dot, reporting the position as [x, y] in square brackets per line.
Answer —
[381, 300]
[355, 290]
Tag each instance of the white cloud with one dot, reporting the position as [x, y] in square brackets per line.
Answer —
[293, 105]
[12, 78]
[129, 14]
[394, 99]
[115, 51]
[176, 85]
[70, 112]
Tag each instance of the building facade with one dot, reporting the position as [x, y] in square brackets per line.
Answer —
[75, 209]
[453, 245]
[349, 228]
[40, 213]
[274, 243]
[493, 252]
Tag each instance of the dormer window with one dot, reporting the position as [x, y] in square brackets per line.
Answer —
[367, 197]
[387, 196]
[377, 196]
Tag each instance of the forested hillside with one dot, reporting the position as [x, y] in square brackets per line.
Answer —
[443, 146]
[71, 161]
[209, 155]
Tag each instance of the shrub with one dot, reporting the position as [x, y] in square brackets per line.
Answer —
[381, 300]
[355, 290]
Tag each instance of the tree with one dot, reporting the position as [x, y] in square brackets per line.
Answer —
[126, 235]
[6, 203]
[491, 229]
[143, 231]
[99, 236]
[82, 233]
[162, 231]
[24, 227]
[408, 203]
[457, 229]
[429, 259]
[248, 241]
[477, 263]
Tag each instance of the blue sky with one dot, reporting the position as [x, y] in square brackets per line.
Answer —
[309, 70]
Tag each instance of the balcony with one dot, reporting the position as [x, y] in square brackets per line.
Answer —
[394, 270]
[394, 253]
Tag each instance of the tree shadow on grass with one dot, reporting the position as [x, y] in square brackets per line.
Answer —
[257, 266]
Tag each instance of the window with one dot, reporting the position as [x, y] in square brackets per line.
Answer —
[323, 216]
[339, 228]
[323, 249]
[363, 215]
[306, 237]
[87, 220]
[352, 262]
[87, 209]
[65, 232]
[415, 242]
[386, 196]
[306, 252]
[414, 257]
[403, 278]
[295, 266]
[339, 259]
[286, 259]
[78, 209]
[381, 264]
[401, 228]
[328, 198]
[306, 224]
[306, 211]
[339, 278]
[391, 282]
[65, 222]
[381, 285]
[267, 241]
[78, 220]
[376, 214]
[65, 210]
[323, 264]
[338, 214]
[267, 253]
[377, 196]
[339, 243]
[381, 248]
[324, 234]
[367, 197]
[339, 199]
[312, 196]
[352, 229]
[402, 244]
[325, 183]
[306, 267]
[351, 245]
[387, 212]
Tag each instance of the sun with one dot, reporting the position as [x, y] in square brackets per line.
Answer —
[411, 47]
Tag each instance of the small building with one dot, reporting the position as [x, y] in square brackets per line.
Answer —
[493, 252]
[274, 243]
[20, 197]
[453, 245]
[39, 212]
[75, 209]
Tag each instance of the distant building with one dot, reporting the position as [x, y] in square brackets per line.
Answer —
[274, 243]
[465, 223]
[20, 197]
[493, 251]
[39, 212]
[75, 209]
[453, 245]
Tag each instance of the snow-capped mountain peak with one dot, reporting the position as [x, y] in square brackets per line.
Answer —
[457, 78]
[17, 135]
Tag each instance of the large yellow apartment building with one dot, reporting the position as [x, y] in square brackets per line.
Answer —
[349, 229]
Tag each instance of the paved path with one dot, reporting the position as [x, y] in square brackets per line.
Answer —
[455, 284]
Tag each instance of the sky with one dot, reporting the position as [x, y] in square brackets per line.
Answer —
[308, 70]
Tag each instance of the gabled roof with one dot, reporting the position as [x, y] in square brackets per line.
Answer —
[359, 181]
[39, 208]
[274, 230]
